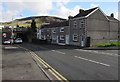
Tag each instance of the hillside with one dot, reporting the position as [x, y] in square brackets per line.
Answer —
[40, 20]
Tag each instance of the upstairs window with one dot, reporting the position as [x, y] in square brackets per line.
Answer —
[53, 31]
[82, 23]
[75, 24]
[62, 29]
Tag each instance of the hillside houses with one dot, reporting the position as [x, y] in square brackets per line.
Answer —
[87, 28]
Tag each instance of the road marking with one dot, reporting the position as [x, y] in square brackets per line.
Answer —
[52, 70]
[92, 51]
[10, 47]
[46, 67]
[92, 61]
[58, 51]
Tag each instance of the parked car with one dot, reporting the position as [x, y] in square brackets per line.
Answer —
[18, 40]
[6, 41]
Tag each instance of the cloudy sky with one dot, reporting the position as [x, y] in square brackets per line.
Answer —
[61, 8]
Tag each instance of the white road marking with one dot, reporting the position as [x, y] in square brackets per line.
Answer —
[10, 47]
[58, 51]
[92, 61]
[104, 53]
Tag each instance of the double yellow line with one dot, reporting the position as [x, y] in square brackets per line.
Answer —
[51, 70]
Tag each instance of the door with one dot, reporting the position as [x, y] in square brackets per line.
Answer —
[82, 41]
[88, 42]
[67, 39]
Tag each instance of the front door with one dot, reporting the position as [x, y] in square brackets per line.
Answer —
[82, 41]
[67, 39]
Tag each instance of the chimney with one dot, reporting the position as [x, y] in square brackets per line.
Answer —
[112, 15]
[70, 17]
[81, 10]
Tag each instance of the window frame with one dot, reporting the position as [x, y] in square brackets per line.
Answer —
[54, 30]
[62, 37]
[74, 37]
[62, 29]
[75, 24]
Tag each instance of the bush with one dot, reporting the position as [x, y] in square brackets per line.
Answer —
[109, 44]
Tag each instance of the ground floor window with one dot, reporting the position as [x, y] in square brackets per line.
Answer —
[75, 37]
[62, 37]
[54, 37]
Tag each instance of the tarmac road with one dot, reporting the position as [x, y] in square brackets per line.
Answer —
[17, 64]
[77, 64]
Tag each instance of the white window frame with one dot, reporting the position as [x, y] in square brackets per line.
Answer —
[62, 37]
[75, 24]
[54, 37]
[62, 29]
[54, 31]
[74, 37]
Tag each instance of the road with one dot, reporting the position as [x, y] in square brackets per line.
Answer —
[77, 64]
[17, 64]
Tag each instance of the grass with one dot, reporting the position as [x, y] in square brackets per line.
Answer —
[109, 44]
[24, 24]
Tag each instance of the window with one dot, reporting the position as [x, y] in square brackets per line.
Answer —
[54, 37]
[75, 24]
[75, 37]
[48, 35]
[82, 38]
[48, 30]
[82, 24]
[62, 29]
[53, 31]
[62, 37]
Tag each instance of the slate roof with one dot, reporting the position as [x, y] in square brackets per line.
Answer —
[111, 18]
[56, 24]
[85, 12]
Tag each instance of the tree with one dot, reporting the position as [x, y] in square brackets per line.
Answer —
[33, 25]
[17, 26]
[31, 33]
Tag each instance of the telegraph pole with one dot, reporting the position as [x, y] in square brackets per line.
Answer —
[12, 34]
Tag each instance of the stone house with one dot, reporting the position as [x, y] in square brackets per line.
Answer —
[55, 33]
[90, 27]
[87, 28]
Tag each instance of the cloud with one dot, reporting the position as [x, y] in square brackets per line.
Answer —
[116, 15]
[14, 8]
[94, 5]
[64, 12]
[1, 8]
[42, 7]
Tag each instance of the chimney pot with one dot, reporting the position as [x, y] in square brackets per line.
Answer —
[112, 15]
[81, 10]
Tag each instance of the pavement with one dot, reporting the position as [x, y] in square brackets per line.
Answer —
[102, 48]
[75, 63]
[17, 64]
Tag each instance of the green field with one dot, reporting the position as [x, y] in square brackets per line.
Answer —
[109, 44]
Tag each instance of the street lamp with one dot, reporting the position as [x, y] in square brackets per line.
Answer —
[12, 29]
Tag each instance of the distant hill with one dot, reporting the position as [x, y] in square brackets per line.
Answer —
[40, 20]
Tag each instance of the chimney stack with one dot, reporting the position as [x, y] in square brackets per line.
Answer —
[70, 17]
[81, 10]
[112, 15]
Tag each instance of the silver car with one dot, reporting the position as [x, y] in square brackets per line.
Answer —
[6, 41]
[18, 40]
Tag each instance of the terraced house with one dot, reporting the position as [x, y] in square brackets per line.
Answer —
[55, 33]
[87, 28]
